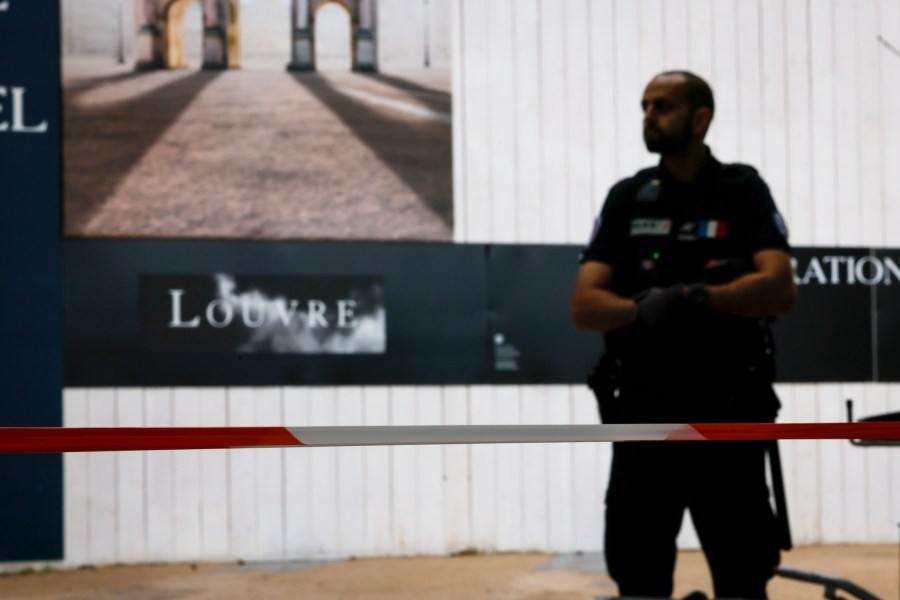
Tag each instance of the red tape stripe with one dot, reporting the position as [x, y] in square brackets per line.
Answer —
[21, 440]
[867, 430]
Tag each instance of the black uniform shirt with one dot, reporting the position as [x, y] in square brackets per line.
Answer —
[655, 231]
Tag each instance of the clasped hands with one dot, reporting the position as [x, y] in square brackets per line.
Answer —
[656, 305]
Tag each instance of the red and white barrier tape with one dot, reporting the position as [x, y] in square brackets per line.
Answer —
[23, 440]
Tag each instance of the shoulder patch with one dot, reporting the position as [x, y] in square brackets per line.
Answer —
[649, 192]
[779, 223]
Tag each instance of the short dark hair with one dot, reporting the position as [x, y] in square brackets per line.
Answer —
[698, 92]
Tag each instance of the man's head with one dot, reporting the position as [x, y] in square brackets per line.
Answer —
[678, 108]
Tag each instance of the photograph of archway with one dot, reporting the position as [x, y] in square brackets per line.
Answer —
[257, 119]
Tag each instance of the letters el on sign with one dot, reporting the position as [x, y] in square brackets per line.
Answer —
[12, 101]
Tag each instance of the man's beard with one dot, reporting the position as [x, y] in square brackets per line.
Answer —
[673, 143]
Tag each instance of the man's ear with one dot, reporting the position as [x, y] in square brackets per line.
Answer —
[701, 120]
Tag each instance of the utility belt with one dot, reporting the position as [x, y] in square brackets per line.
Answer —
[676, 393]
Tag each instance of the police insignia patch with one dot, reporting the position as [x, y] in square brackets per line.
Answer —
[649, 192]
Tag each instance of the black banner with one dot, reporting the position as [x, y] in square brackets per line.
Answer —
[145, 313]
[366, 313]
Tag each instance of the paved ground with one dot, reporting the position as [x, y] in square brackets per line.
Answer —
[480, 577]
[256, 153]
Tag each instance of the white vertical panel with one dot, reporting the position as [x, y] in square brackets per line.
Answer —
[457, 108]
[102, 472]
[483, 464]
[214, 538]
[889, 90]
[878, 523]
[269, 477]
[555, 153]
[725, 77]
[804, 505]
[535, 484]
[869, 101]
[186, 478]
[526, 26]
[589, 482]
[831, 470]
[788, 455]
[242, 485]
[350, 477]
[700, 37]
[799, 205]
[847, 138]
[377, 411]
[160, 486]
[676, 25]
[629, 86]
[323, 500]
[474, 157]
[854, 479]
[823, 118]
[701, 51]
[605, 123]
[503, 201]
[457, 510]
[749, 82]
[508, 472]
[403, 475]
[560, 498]
[429, 476]
[77, 477]
[579, 118]
[774, 104]
[651, 40]
[129, 412]
[894, 459]
[298, 527]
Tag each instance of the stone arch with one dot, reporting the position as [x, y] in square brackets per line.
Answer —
[362, 34]
[174, 46]
[316, 26]
[161, 36]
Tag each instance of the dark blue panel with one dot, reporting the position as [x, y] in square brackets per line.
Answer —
[532, 337]
[31, 370]
[828, 334]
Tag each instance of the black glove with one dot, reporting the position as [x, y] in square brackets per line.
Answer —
[657, 304]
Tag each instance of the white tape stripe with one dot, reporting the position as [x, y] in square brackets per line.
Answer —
[387, 435]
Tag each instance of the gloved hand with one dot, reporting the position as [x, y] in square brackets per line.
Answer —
[657, 304]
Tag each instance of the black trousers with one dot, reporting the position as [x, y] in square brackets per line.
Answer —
[723, 485]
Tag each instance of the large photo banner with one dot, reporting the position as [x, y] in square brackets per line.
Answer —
[257, 119]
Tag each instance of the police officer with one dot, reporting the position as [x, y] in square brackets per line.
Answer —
[687, 263]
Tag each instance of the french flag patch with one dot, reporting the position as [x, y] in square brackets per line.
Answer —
[711, 229]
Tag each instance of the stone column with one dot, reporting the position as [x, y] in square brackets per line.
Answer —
[302, 43]
[215, 34]
[365, 55]
[149, 43]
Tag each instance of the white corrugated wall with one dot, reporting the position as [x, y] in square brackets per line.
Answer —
[546, 117]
